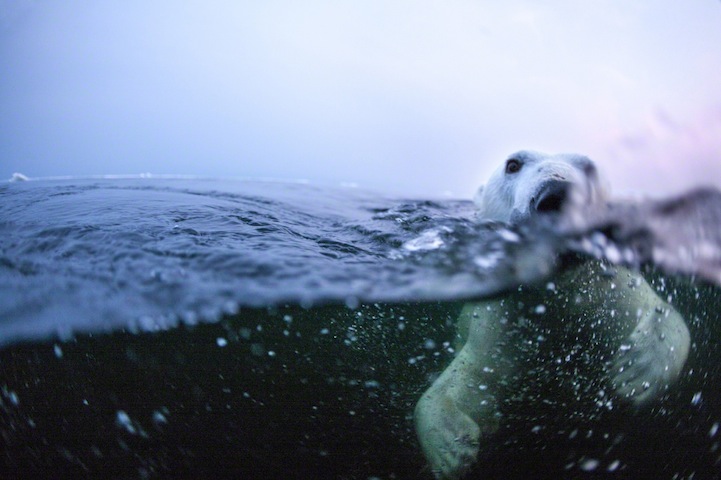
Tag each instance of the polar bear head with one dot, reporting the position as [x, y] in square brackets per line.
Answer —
[531, 184]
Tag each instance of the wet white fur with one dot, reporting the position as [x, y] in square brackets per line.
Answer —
[459, 412]
[507, 196]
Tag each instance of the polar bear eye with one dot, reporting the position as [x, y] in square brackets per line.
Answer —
[590, 169]
[513, 165]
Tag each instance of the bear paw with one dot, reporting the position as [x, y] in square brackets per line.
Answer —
[452, 447]
[652, 357]
[449, 437]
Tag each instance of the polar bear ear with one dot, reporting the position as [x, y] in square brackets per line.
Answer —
[478, 197]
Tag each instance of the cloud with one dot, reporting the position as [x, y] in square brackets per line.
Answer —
[668, 154]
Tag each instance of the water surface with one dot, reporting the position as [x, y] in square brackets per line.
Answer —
[167, 328]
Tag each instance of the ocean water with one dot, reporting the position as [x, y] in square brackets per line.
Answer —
[190, 328]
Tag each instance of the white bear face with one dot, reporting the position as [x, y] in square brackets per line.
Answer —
[532, 183]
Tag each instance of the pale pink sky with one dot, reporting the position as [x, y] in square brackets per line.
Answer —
[411, 96]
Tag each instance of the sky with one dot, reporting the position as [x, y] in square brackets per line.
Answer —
[420, 97]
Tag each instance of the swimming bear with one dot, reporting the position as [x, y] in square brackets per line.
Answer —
[639, 342]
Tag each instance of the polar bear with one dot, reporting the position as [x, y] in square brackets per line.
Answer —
[637, 343]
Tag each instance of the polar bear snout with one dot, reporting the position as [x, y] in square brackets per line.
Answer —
[551, 198]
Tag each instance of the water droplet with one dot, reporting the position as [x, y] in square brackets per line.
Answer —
[158, 417]
[13, 397]
[589, 465]
[123, 420]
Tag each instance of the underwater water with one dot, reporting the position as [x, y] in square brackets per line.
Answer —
[188, 328]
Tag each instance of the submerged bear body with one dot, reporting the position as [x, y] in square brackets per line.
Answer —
[593, 336]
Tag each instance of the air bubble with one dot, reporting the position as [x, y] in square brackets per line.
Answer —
[589, 465]
[122, 419]
[12, 396]
[159, 418]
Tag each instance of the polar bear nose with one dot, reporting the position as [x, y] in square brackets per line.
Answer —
[551, 198]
